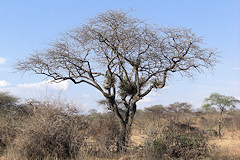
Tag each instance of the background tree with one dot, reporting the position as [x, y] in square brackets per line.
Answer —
[156, 112]
[7, 102]
[180, 107]
[178, 110]
[122, 57]
[155, 109]
[222, 103]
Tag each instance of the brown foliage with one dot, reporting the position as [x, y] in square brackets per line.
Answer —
[178, 141]
[55, 130]
[11, 116]
[52, 131]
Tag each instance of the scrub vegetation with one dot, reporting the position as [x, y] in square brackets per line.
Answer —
[51, 130]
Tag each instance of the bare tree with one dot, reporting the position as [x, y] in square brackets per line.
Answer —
[122, 57]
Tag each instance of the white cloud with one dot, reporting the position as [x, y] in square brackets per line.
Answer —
[2, 60]
[150, 97]
[45, 84]
[236, 68]
[85, 105]
[34, 90]
[85, 95]
[146, 99]
[236, 82]
[4, 83]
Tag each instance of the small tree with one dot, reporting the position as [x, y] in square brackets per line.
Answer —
[177, 110]
[178, 107]
[122, 57]
[155, 109]
[156, 112]
[7, 102]
[222, 103]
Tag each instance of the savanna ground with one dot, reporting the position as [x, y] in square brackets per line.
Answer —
[54, 130]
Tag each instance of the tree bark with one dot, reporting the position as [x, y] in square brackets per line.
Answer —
[220, 124]
[125, 129]
[122, 139]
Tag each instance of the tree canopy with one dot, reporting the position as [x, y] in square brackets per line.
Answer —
[180, 107]
[7, 101]
[123, 49]
[220, 102]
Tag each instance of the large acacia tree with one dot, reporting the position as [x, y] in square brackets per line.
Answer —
[122, 57]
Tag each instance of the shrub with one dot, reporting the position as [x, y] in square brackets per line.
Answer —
[236, 119]
[178, 141]
[11, 116]
[7, 101]
[54, 130]
[104, 130]
[7, 134]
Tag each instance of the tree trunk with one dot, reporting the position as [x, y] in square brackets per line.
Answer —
[125, 130]
[125, 122]
[220, 124]
[123, 138]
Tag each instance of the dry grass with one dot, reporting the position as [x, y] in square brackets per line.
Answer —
[229, 145]
[55, 130]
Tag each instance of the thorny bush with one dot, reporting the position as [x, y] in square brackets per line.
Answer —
[54, 130]
[178, 141]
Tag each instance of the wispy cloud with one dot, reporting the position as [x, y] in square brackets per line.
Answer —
[236, 68]
[4, 83]
[34, 90]
[2, 60]
[146, 99]
[85, 95]
[45, 84]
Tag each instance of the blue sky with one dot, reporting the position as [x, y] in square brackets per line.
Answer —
[27, 25]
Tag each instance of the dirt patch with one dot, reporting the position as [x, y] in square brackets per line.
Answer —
[229, 145]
